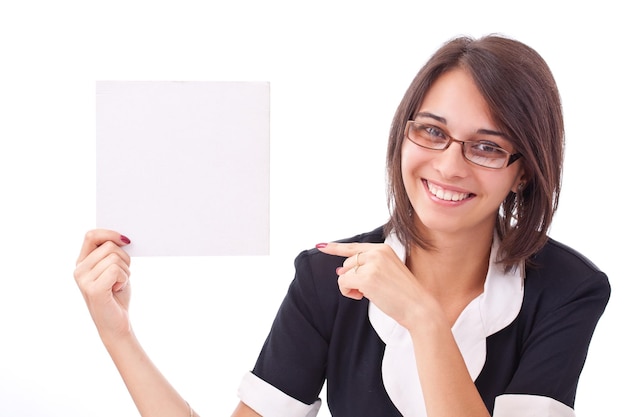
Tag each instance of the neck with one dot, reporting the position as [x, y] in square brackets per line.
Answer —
[454, 272]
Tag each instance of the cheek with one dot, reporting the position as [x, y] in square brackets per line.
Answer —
[407, 168]
[512, 181]
[414, 165]
[410, 160]
[498, 187]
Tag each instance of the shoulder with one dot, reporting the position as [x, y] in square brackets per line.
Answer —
[317, 269]
[560, 274]
[557, 262]
[375, 236]
[318, 259]
[555, 253]
[314, 293]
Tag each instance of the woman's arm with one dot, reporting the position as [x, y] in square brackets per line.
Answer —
[102, 274]
[152, 393]
[447, 387]
[243, 410]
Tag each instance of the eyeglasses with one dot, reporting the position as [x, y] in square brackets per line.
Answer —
[480, 152]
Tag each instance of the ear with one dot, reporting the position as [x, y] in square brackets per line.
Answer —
[520, 182]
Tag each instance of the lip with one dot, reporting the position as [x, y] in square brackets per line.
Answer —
[446, 194]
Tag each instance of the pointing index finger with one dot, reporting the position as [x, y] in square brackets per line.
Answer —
[341, 249]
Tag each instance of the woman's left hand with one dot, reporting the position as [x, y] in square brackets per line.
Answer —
[374, 271]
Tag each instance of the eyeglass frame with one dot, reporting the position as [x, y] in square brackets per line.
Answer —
[511, 157]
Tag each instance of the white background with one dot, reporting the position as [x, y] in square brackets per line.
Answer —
[337, 71]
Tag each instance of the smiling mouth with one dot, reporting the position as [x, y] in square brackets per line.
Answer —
[446, 195]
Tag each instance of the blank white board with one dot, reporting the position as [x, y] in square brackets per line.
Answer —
[183, 167]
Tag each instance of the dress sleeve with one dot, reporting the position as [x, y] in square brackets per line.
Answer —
[267, 400]
[291, 368]
[554, 350]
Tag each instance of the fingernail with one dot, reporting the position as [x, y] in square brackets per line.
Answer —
[321, 245]
[124, 239]
[337, 270]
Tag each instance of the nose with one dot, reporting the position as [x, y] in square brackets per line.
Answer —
[451, 163]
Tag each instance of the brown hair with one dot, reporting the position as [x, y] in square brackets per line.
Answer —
[524, 101]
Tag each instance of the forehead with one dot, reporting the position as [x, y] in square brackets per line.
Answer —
[455, 97]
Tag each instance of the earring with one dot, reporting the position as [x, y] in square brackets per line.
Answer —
[521, 186]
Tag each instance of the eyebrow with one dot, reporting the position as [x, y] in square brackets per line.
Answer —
[445, 122]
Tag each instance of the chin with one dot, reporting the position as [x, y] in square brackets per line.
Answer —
[434, 222]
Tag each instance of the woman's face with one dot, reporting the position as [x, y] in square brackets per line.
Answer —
[450, 195]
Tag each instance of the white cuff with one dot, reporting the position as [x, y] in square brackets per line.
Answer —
[523, 405]
[269, 401]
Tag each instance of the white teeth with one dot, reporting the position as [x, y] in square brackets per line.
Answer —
[446, 195]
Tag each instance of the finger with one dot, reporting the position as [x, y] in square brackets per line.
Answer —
[98, 283]
[103, 285]
[354, 294]
[112, 259]
[121, 282]
[92, 266]
[343, 249]
[348, 286]
[95, 238]
[355, 261]
[352, 263]
[112, 279]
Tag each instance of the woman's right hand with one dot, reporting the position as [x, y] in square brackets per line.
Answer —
[102, 274]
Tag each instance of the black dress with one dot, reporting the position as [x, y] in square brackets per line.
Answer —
[524, 341]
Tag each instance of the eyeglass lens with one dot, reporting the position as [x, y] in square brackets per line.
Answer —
[480, 152]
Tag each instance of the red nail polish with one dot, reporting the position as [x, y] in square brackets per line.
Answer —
[321, 245]
[124, 239]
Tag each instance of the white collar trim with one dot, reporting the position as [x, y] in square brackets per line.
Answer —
[487, 314]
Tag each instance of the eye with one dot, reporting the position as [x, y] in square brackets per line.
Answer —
[433, 134]
[487, 149]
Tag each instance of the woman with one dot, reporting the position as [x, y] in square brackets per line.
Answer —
[459, 306]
